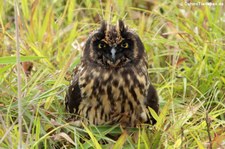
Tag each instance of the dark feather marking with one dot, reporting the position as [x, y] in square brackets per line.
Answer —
[96, 87]
[83, 85]
[99, 103]
[110, 95]
[88, 109]
[134, 95]
[131, 106]
[102, 113]
[132, 75]
[115, 83]
[101, 91]
[107, 80]
[141, 85]
[123, 97]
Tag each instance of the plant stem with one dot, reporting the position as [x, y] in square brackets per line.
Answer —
[18, 75]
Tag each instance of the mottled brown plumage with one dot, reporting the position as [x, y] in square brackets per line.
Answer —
[111, 85]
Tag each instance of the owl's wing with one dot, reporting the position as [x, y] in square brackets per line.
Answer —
[152, 101]
[73, 95]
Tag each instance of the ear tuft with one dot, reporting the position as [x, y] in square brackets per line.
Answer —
[103, 26]
[121, 26]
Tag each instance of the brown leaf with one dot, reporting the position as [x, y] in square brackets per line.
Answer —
[63, 135]
[27, 67]
[180, 61]
[218, 141]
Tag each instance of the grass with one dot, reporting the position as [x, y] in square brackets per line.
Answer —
[185, 45]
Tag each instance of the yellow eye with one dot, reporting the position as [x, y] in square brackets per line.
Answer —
[101, 45]
[124, 45]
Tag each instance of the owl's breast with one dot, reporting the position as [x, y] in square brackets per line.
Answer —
[113, 95]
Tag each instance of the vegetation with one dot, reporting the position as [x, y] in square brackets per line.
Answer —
[185, 45]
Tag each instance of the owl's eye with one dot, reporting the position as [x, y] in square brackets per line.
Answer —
[101, 45]
[125, 45]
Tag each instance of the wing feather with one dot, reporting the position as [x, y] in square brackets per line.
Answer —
[73, 95]
[152, 101]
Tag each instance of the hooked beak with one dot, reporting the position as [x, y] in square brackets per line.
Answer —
[113, 54]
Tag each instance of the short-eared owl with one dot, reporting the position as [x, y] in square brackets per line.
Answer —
[111, 84]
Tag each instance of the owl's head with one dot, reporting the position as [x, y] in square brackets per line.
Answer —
[113, 46]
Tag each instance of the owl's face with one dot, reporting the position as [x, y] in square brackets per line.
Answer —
[113, 46]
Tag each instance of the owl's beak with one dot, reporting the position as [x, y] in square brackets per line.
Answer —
[113, 54]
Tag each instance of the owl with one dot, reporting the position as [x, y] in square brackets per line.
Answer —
[111, 84]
